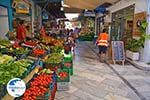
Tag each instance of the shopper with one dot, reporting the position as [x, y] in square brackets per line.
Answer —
[28, 31]
[102, 43]
[42, 32]
[21, 31]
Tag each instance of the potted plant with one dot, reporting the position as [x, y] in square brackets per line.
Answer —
[134, 45]
[132, 51]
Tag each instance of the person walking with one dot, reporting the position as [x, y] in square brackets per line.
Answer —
[102, 42]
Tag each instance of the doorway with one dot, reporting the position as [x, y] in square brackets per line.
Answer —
[122, 23]
[4, 26]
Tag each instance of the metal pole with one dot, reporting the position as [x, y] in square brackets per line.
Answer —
[147, 42]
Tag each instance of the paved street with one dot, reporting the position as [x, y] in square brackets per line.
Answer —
[93, 80]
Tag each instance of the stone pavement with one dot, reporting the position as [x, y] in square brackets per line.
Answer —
[93, 80]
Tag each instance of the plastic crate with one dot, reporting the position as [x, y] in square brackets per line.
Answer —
[71, 71]
[63, 79]
[44, 97]
[3, 91]
[68, 57]
[62, 86]
[52, 85]
[52, 67]
[3, 50]
[29, 69]
[67, 65]
[53, 92]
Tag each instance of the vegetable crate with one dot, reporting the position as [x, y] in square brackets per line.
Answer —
[29, 69]
[4, 50]
[68, 57]
[52, 85]
[62, 86]
[44, 97]
[3, 91]
[63, 75]
[53, 91]
[52, 67]
[68, 65]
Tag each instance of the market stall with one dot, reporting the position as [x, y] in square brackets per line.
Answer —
[41, 62]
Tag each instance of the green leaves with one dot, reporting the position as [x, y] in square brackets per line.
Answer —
[135, 44]
[54, 58]
[5, 42]
[13, 69]
[56, 49]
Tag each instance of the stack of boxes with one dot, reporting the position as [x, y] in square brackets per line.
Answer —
[63, 77]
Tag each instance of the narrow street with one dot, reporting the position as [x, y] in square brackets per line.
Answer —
[93, 80]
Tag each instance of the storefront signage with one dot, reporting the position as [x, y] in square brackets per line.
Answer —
[118, 51]
[22, 11]
[89, 14]
[21, 7]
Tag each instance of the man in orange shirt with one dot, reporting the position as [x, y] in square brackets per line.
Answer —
[21, 31]
[102, 43]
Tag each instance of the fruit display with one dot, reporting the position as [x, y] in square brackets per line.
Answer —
[38, 52]
[31, 43]
[39, 86]
[56, 49]
[42, 80]
[4, 59]
[16, 45]
[23, 63]
[13, 69]
[4, 43]
[54, 58]
[21, 51]
[52, 41]
[47, 71]
[48, 61]
[32, 92]
[43, 46]
[63, 75]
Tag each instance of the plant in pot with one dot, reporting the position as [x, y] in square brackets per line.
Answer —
[134, 45]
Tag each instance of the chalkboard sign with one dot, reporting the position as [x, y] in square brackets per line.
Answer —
[118, 51]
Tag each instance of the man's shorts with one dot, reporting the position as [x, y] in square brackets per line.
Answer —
[102, 49]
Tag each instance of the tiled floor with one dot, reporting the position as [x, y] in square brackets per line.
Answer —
[93, 80]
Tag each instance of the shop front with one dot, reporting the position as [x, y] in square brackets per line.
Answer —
[5, 17]
[122, 23]
[127, 19]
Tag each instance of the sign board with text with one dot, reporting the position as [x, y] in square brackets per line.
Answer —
[118, 53]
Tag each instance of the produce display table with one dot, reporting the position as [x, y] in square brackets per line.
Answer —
[26, 80]
[49, 53]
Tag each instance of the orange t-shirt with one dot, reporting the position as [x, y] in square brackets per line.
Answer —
[21, 32]
[102, 39]
[103, 36]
